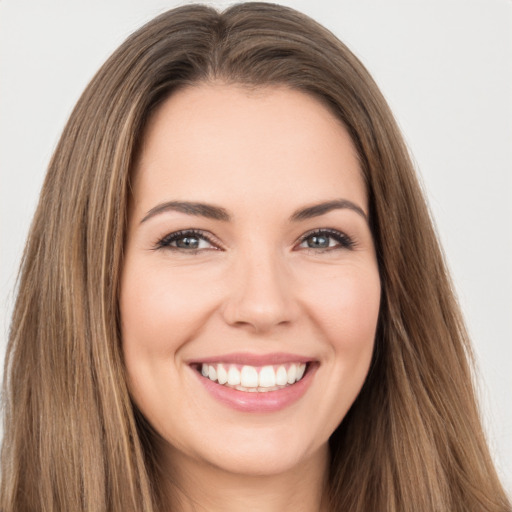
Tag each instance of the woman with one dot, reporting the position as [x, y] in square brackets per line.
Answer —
[232, 295]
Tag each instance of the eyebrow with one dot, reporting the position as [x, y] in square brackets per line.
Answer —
[190, 208]
[218, 213]
[323, 208]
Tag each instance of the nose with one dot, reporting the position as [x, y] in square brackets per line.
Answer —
[261, 293]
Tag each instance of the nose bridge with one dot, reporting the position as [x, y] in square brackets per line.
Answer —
[260, 290]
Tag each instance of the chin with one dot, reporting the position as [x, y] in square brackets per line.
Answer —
[260, 451]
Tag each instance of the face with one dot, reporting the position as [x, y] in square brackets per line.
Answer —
[250, 290]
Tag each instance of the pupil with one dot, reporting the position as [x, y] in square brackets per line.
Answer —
[187, 242]
[318, 241]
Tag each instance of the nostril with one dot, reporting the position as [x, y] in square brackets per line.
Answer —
[258, 317]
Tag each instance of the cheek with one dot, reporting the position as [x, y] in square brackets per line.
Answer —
[343, 303]
[160, 309]
[345, 306]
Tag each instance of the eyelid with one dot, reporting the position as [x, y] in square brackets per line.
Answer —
[344, 241]
[164, 242]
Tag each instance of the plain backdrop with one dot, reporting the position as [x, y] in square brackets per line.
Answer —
[445, 69]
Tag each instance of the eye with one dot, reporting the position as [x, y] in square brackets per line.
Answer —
[189, 240]
[326, 239]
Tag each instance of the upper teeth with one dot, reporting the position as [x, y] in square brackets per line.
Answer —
[254, 378]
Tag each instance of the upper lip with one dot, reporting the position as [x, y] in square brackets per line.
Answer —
[245, 358]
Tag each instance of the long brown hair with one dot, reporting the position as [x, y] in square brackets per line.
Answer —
[73, 440]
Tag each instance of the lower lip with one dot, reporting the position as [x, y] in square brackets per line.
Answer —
[268, 401]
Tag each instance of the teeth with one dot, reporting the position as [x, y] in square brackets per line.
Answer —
[251, 378]
[267, 377]
[292, 374]
[222, 374]
[233, 376]
[281, 376]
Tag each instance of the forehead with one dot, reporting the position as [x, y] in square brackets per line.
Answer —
[221, 143]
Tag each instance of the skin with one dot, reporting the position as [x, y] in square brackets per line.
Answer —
[257, 287]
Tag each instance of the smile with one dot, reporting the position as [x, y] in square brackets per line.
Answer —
[254, 383]
[248, 378]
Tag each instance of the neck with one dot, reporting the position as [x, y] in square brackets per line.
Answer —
[200, 487]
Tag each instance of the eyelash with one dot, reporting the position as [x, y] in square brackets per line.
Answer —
[344, 242]
[166, 241]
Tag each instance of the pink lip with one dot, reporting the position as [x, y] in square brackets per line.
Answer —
[258, 402]
[242, 358]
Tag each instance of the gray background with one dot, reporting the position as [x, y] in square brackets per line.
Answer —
[443, 65]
